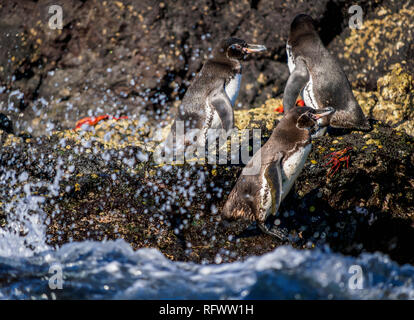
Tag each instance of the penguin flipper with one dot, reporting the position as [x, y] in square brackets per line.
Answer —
[297, 80]
[222, 104]
[273, 175]
[350, 119]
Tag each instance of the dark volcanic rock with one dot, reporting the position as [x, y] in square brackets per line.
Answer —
[5, 124]
[138, 57]
[385, 39]
[132, 57]
[366, 207]
[107, 193]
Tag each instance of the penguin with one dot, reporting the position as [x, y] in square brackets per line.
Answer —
[281, 159]
[209, 101]
[315, 72]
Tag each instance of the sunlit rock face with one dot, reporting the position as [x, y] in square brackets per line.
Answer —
[109, 187]
[101, 182]
[139, 57]
[378, 60]
[393, 100]
[386, 38]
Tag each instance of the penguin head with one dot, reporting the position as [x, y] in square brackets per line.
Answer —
[307, 117]
[302, 21]
[235, 49]
[302, 24]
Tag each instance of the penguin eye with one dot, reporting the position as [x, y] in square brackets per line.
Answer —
[311, 115]
[235, 47]
[305, 121]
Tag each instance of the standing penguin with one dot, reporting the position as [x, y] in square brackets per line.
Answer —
[281, 159]
[208, 102]
[315, 72]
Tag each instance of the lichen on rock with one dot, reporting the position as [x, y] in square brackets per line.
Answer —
[393, 101]
[263, 117]
[386, 38]
[109, 190]
[110, 186]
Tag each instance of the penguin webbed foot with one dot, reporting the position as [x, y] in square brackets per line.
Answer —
[276, 232]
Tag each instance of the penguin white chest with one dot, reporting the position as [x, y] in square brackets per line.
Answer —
[308, 95]
[291, 60]
[265, 197]
[212, 118]
[292, 167]
[233, 87]
[310, 101]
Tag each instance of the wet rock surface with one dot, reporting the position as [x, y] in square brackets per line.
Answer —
[102, 183]
[107, 193]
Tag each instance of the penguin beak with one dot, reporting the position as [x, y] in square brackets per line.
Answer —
[254, 48]
[320, 113]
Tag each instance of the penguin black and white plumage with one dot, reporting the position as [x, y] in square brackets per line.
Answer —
[315, 72]
[208, 102]
[281, 159]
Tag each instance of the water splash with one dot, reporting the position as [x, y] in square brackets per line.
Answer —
[25, 232]
[112, 270]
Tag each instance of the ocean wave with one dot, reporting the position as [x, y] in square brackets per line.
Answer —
[112, 270]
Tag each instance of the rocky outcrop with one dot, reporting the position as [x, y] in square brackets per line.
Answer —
[393, 101]
[113, 190]
[138, 57]
[378, 60]
[103, 183]
[386, 38]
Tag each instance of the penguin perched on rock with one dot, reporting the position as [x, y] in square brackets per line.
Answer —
[281, 159]
[209, 101]
[315, 72]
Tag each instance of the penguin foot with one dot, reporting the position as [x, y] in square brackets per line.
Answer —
[275, 232]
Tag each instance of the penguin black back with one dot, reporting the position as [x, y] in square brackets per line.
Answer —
[223, 65]
[301, 27]
[208, 102]
[315, 71]
[280, 160]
